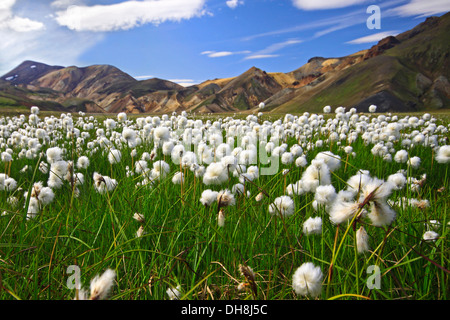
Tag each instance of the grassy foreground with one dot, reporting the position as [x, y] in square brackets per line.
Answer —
[183, 245]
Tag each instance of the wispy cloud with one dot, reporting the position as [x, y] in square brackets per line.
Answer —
[64, 4]
[261, 56]
[343, 21]
[218, 54]
[186, 82]
[234, 3]
[374, 37]
[269, 52]
[329, 24]
[145, 77]
[49, 44]
[422, 8]
[322, 5]
[128, 14]
[181, 82]
[11, 22]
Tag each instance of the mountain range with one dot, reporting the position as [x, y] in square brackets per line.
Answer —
[405, 73]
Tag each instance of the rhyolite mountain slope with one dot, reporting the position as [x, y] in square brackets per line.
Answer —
[408, 72]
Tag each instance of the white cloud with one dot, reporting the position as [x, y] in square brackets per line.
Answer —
[64, 4]
[186, 82]
[234, 3]
[20, 24]
[280, 45]
[214, 54]
[261, 56]
[128, 14]
[11, 22]
[422, 8]
[52, 45]
[330, 24]
[321, 5]
[374, 37]
[145, 77]
[181, 82]
[7, 4]
[269, 51]
[220, 54]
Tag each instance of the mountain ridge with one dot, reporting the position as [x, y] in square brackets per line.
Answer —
[408, 72]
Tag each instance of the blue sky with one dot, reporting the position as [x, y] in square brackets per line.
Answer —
[190, 41]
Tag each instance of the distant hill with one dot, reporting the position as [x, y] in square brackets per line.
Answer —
[408, 72]
[28, 71]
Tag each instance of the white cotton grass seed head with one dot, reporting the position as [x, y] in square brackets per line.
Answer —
[178, 178]
[295, 188]
[362, 240]
[174, 293]
[34, 110]
[397, 180]
[101, 285]
[221, 218]
[430, 236]
[10, 184]
[167, 147]
[357, 181]
[225, 198]
[443, 154]
[307, 280]
[253, 172]
[140, 166]
[259, 196]
[287, 158]
[54, 154]
[114, 156]
[301, 161]
[6, 157]
[283, 205]
[312, 226]
[161, 169]
[13, 201]
[434, 224]
[332, 160]
[121, 117]
[401, 156]
[208, 197]
[103, 184]
[215, 174]
[238, 189]
[43, 167]
[381, 214]
[229, 162]
[46, 196]
[140, 232]
[83, 162]
[33, 208]
[139, 217]
[325, 195]
[343, 211]
[377, 190]
[414, 162]
[161, 134]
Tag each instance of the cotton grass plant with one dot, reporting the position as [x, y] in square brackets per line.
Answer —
[236, 207]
